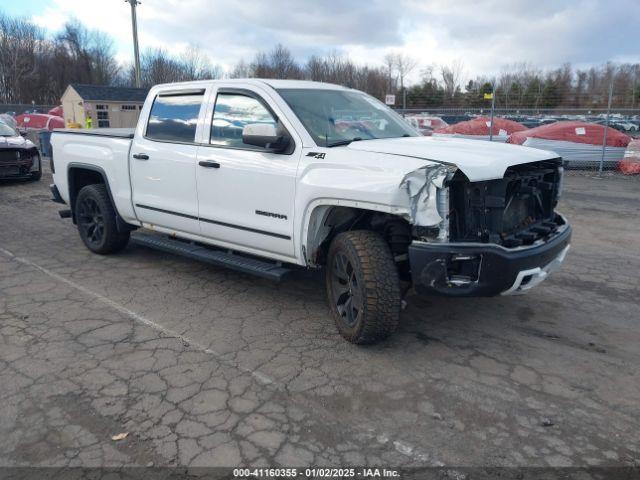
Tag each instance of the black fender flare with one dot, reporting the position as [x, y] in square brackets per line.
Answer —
[120, 223]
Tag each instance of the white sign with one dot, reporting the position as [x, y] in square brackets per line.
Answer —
[390, 99]
[581, 131]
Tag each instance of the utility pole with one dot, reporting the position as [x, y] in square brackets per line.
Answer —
[493, 106]
[134, 25]
[606, 128]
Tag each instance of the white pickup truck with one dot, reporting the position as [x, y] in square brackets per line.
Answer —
[260, 175]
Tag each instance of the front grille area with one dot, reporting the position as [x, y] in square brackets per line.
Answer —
[11, 155]
[513, 211]
[12, 164]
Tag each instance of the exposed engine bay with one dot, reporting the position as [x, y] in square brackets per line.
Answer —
[513, 211]
[447, 211]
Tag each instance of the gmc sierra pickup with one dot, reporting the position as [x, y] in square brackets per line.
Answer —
[257, 175]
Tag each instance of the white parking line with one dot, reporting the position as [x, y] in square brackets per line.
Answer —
[261, 377]
[400, 446]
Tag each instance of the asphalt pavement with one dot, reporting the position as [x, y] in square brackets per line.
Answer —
[202, 366]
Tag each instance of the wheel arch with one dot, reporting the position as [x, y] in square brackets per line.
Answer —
[322, 215]
[80, 175]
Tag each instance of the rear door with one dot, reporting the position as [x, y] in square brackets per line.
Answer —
[163, 162]
[245, 193]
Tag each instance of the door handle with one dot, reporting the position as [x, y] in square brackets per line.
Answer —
[141, 156]
[208, 164]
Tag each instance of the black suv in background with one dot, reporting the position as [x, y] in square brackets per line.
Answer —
[19, 157]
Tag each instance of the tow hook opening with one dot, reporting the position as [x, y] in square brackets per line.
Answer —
[454, 271]
[526, 280]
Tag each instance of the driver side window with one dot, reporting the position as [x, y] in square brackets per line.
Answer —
[231, 113]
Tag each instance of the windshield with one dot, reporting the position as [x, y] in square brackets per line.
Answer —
[7, 131]
[338, 117]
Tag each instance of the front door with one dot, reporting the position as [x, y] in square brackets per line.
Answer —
[163, 163]
[245, 193]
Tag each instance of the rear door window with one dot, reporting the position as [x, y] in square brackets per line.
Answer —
[174, 117]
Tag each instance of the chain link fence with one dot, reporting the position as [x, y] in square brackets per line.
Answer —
[591, 140]
[20, 108]
[601, 140]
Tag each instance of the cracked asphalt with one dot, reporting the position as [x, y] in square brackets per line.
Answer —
[203, 366]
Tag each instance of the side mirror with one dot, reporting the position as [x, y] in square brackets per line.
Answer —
[264, 135]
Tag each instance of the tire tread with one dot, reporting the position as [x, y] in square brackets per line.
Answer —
[381, 285]
[114, 240]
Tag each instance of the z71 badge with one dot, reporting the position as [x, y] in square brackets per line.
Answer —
[316, 155]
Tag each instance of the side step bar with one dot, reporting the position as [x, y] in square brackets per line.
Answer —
[221, 258]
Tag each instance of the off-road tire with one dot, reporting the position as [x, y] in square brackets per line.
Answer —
[93, 201]
[374, 272]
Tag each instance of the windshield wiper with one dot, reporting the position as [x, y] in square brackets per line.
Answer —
[338, 143]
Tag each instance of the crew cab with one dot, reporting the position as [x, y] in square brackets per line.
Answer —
[259, 175]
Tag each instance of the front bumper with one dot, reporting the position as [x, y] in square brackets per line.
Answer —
[485, 270]
[15, 169]
[20, 167]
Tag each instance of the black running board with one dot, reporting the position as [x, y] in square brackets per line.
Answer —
[221, 258]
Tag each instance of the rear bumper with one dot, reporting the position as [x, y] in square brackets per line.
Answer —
[476, 269]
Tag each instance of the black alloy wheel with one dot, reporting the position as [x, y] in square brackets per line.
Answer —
[97, 221]
[91, 220]
[347, 291]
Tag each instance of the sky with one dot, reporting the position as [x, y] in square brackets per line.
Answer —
[484, 35]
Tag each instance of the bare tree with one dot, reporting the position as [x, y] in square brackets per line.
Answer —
[20, 43]
[390, 69]
[197, 66]
[38, 67]
[105, 68]
[278, 63]
[451, 76]
[399, 65]
[241, 70]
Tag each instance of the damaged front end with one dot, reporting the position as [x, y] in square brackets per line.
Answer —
[489, 237]
[428, 192]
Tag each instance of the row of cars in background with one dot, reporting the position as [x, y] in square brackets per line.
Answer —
[578, 139]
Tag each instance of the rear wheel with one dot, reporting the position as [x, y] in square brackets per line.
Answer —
[96, 219]
[363, 287]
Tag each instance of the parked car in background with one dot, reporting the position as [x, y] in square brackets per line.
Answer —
[425, 124]
[39, 121]
[56, 111]
[9, 120]
[480, 128]
[578, 143]
[19, 157]
[625, 126]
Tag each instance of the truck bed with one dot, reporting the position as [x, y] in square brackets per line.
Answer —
[104, 132]
[106, 151]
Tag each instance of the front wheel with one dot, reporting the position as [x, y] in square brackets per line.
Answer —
[96, 219]
[37, 175]
[363, 287]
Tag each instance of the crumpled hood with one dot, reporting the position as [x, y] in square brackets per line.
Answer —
[15, 142]
[478, 160]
